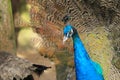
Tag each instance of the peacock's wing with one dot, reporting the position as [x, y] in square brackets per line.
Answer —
[100, 50]
[93, 18]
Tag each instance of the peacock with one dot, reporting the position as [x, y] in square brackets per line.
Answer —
[85, 67]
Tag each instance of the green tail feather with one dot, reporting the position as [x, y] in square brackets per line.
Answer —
[98, 67]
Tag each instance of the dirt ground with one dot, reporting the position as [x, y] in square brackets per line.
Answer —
[35, 57]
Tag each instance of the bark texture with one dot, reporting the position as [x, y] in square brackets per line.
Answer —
[14, 68]
[7, 36]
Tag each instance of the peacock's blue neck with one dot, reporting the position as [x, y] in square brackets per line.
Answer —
[81, 57]
[79, 49]
[85, 68]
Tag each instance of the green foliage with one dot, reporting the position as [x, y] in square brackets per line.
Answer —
[61, 68]
[25, 37]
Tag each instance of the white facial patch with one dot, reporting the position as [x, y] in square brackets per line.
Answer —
[71, 32]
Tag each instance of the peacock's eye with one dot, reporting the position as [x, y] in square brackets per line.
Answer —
[70, 33]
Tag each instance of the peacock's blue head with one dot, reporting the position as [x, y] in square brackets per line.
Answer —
[68, 32]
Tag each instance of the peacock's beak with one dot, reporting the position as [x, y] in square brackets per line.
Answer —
[64, 39]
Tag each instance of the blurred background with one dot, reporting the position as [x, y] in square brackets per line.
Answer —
[33, 30]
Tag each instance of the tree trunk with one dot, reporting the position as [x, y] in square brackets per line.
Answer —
[9, 69]
[7, 37]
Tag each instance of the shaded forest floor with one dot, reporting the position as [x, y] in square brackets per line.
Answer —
[34, 57]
